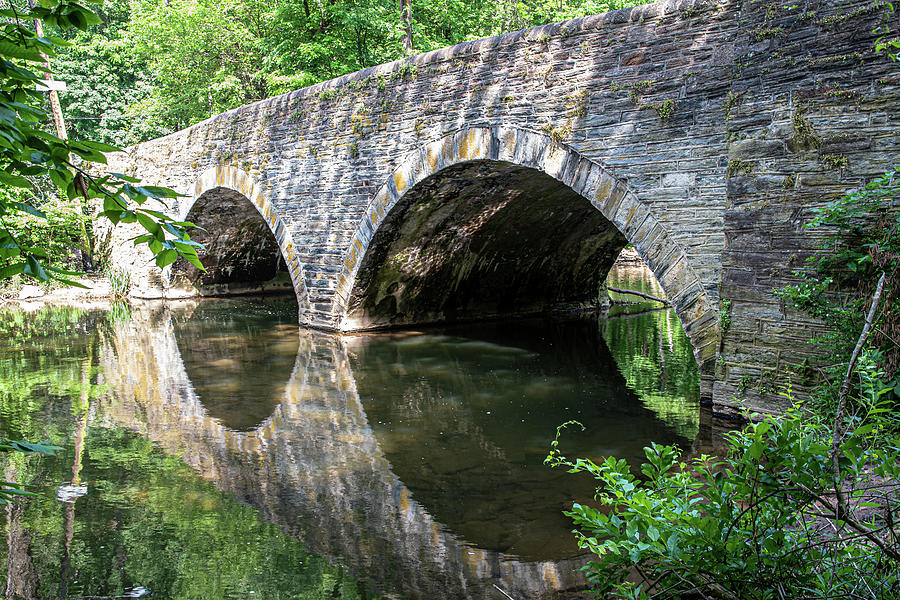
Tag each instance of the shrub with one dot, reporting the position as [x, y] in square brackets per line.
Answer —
[862, 242]
[760, 523]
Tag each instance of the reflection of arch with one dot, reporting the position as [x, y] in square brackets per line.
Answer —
[313, 467]
[612, 197]
[232, 178]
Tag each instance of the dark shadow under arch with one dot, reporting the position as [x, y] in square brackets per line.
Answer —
[241, 253]
[483, 239]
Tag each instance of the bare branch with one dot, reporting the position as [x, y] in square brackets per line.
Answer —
[639, 295]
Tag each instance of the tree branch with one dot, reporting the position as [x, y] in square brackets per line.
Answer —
[639, 294]
[841, 512]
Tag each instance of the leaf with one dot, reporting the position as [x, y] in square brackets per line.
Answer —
[34, 448]
[127, 178]
[35, 269]
[755, 450]
[155, 191]
[11, 270]
[864, 430]
[101, 147]
[71, 282]
[194, 260]
[58, 41]
[89, 155]
[13, 50]
[143, 239]
[14, 180]
[61, 271]
[186, 245]
[27, 208]
[157, 214]
[150, 225]
[60, 177]
[166, 257]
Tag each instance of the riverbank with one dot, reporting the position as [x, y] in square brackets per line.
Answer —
[97, 292]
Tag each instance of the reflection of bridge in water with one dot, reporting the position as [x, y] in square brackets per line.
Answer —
[313, 467]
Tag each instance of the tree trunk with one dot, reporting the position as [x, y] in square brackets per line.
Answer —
[406, 16]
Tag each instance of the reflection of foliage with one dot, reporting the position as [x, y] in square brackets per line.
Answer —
[655, 357]
[45, 356]
[168, 531]
[151, 521]
[211, 547]
[148, 519]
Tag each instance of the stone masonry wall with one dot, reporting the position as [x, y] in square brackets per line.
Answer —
[685, 123]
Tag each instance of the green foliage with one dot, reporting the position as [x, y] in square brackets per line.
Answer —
[862, 241]
[887, 41]
[119, 283]
[665, 109]
[59, 233]
[737, 167]
[108, 96]
[835, 162]
[188, 60]
[725, 317]
[759, 523]
[30, 156]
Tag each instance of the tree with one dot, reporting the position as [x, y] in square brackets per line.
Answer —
[31, 156]
[108, 99]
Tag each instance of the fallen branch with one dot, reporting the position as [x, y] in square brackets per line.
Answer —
[841, 510]
[639, 294]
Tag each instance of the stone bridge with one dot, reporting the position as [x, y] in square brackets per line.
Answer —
[503, 176]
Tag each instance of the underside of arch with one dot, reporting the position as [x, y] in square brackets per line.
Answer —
[247, 248]
[483, 239]
[539, 182]
[241, 255]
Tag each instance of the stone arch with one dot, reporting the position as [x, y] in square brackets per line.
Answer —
[240, 182]
[616, 201]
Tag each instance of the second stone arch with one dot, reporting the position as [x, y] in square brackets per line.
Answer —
[492, 221]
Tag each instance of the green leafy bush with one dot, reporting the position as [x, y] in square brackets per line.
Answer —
[59, 233]
[760, 523]
[862, 241]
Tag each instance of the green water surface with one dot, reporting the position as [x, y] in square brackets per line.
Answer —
[212, 450]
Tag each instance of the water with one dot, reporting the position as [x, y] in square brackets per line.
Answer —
[212, 451]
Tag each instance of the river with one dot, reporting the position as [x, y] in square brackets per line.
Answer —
[212, 450]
